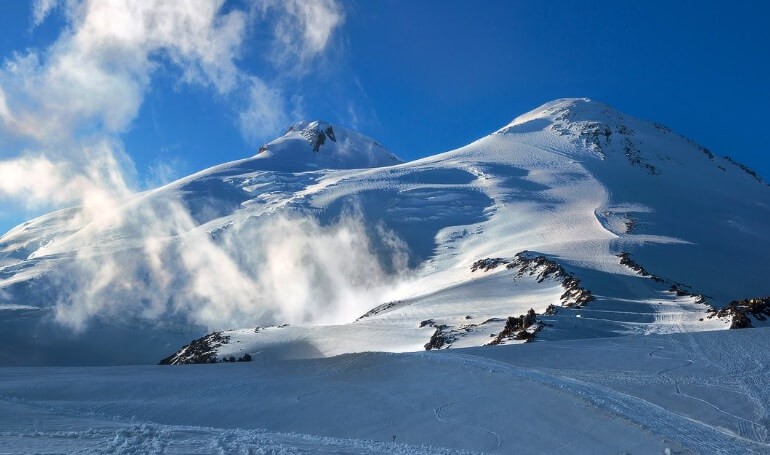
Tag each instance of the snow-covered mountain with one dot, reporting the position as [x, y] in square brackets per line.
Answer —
[325, 243]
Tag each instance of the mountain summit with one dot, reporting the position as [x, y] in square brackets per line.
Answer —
[571, 110]
[573, 221]
[308, 145]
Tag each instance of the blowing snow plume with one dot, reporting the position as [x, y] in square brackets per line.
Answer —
[266, 270]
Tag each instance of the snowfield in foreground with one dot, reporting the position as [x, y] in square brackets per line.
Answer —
[688, 393]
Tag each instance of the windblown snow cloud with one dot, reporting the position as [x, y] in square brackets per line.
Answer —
[286, 269]
[63, 110]
[94, 178]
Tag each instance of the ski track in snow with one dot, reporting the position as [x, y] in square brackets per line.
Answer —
[437, 412]
[749, 429]
[747, 381]
[148, 438]
[675, 426]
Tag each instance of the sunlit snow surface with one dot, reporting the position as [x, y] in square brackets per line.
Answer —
[573, 180]
[688, 393]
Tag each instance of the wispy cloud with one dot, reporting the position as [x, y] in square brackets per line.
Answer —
[163, 171]
[301, 29]
[264, 113]
[68, 105]
[94, 77]
[41, 9]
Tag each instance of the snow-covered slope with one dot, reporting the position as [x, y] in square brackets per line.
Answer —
[600, 223]
[702, 393]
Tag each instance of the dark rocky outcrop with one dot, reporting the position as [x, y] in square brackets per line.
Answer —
[634, 156]
[487, 264]
[662, 127]
[378, 309]
[680, 292]
[625, 259]
[202, 350]
[440, 338]
[594, 134]
[523, 327]
[317, 137]
[676, 288]
[316, 133]
[706, 152]
[541, 267]
[245, 358]
[630, 225]
[516, 328]
[745, 169]
[739, 312]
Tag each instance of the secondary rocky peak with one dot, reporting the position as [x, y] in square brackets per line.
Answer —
[316, 144]
[316, 132]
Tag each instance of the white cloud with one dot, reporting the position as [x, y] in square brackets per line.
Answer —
[93, 79]
[41, 9]
[302, 29]
[95, 75]
[264, 113]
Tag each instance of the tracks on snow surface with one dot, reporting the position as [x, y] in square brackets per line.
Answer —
[694, 434]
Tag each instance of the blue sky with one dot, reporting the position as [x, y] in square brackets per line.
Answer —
[420, 77]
